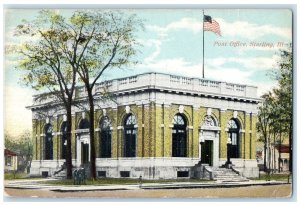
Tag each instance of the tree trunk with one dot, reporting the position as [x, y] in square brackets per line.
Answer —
[269, 153]
[279, 152]
[69, 142]
[265, 153]
[274, 152]
[92, 134]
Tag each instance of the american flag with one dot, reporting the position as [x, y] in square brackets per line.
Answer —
[211, 25]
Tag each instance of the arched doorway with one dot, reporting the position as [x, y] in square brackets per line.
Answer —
[179, 136]
[63, 140]
[209, 141]
[48, 142]
[130, 136]
[233, 134]
[105, 138]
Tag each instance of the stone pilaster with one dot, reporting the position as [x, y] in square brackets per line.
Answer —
[140, 137]
[158, 127]
[34, 139]
[253, 137]
[168, 131]
[248, 136]
[147, 131]
[223, 136]
[114, 133]
[196, 124]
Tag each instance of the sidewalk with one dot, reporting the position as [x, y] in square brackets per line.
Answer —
[34, 184]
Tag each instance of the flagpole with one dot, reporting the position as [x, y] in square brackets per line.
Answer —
[203, 45]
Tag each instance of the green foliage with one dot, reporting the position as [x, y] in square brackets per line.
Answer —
[23, 146]
[15, 175]
[275, 113]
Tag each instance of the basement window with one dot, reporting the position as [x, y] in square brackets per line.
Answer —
[182, 173]
[124, 173]
[44, 174]
[101, 173]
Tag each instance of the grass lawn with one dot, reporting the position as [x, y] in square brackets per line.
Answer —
[19, 176]
[121, 181]
[12, 176]
[279, 177]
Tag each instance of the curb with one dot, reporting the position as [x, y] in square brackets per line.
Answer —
[143, 187]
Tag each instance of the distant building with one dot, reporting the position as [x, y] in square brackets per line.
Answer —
[153, 129]
[279, 158]
[11, 161]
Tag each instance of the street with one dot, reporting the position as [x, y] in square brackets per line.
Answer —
[274, 191]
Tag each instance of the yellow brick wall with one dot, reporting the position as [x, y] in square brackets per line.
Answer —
[153, 140]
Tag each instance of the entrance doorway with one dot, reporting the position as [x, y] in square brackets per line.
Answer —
[208, 148]
[84, 153]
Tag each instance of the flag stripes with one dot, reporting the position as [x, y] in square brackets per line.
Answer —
[212, 26]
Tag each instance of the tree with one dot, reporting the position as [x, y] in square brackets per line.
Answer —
[275, 113]
[264, 121]
[284, 76]
[45, 66]
[23, 146]
[110, 43]
[87, 43]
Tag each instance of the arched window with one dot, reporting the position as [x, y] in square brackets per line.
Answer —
[179, 136]
[105, 138]
[84, 124]
[130, 136]
[233, 134]
[63, 131]
[48, 142]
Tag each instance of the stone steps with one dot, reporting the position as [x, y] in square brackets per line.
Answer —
[227, 175]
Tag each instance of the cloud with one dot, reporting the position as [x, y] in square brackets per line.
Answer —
[253, 63]
[252, 31]
[217, 72]
[157, 45]
[173, 66]
[185, 23]
[228, 29]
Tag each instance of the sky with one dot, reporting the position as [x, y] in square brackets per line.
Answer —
[171, 43]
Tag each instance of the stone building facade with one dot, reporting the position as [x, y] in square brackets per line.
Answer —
[153, 128]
